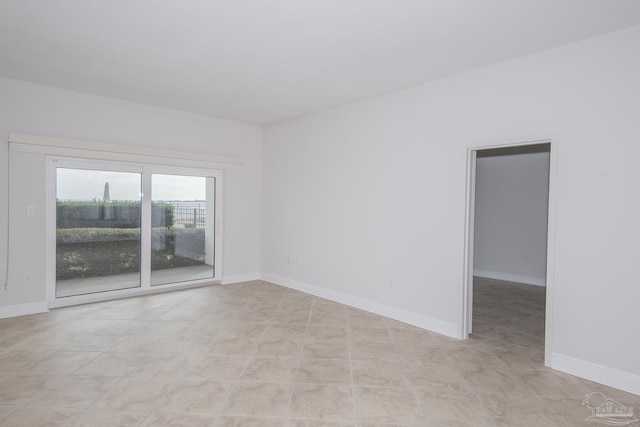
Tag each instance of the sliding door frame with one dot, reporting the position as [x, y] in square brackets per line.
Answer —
[146, 170]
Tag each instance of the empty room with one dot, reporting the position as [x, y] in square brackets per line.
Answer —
[319, 213]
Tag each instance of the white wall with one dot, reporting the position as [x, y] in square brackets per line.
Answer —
[42, 110]
[374, 192]
[511, 217]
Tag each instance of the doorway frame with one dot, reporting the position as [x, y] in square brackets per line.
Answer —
[466, 318]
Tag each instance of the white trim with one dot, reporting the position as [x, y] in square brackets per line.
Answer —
[517, 278]
[238, 278]
[551, 250]
[465, 320]
[466, 325]
[598, 373]
[120, 153]
[424, 322]
[50, 227]
[145, 232]
[516, 142]
[23, 309]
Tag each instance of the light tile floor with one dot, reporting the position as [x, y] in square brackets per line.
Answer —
[256, 354]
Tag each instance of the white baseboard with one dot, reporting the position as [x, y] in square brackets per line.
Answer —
[23, 309]
[237, 278]
[517, 278]
[424, 322]
[598, 373]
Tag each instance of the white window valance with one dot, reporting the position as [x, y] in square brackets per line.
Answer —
[124, 153]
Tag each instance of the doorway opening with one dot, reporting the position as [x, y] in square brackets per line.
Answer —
[509, 247]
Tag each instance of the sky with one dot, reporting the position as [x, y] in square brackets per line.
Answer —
[83, 184]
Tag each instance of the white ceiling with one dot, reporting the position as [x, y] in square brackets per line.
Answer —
[261, 61]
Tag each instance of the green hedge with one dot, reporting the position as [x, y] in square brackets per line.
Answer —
[91, 252]
[91, 235]
[116, 214]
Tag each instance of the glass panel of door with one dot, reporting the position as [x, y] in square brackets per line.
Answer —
[98, 214]
[182, 228]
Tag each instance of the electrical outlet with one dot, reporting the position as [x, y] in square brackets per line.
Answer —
[27, 276]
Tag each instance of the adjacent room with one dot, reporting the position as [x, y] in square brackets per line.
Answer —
[319, 213]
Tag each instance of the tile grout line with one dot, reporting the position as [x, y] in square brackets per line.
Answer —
[292, 383]
[233, 387]
[408, 382]
[353, 388]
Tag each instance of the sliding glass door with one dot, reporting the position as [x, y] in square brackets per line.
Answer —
[122, 228]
